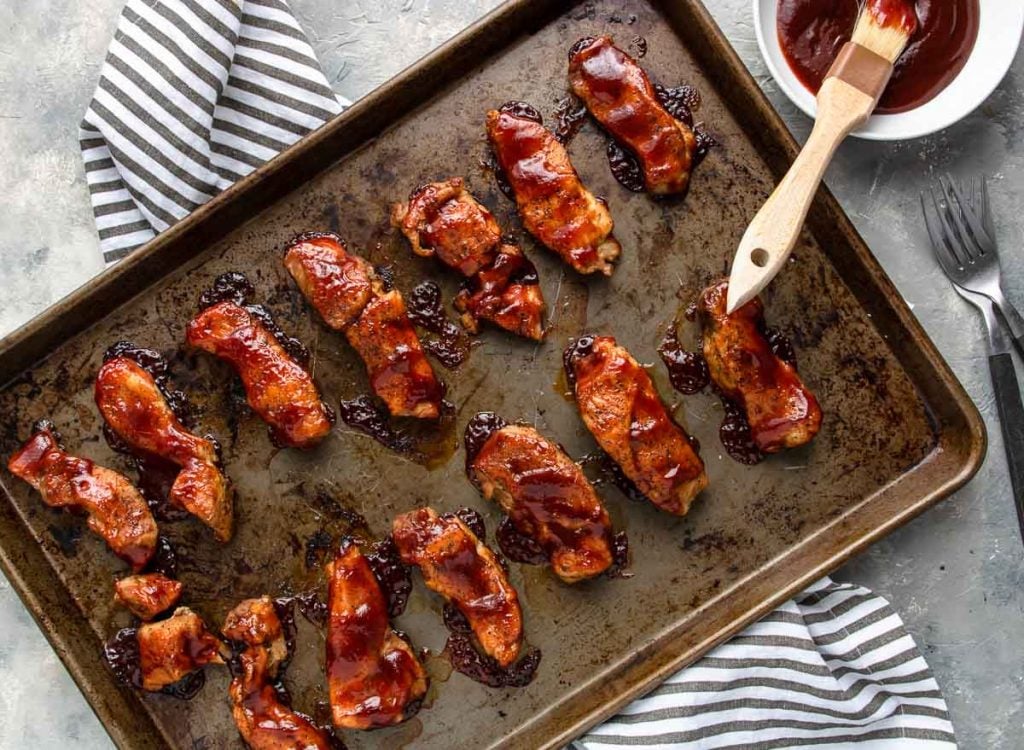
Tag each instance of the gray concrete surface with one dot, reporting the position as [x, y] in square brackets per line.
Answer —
[956, 574]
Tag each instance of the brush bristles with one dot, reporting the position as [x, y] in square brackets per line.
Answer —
[887, 40]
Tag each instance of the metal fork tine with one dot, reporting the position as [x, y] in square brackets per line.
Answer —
[966, 212]
[947, 260]
[986, 209]
[948, 235]
[954, 211]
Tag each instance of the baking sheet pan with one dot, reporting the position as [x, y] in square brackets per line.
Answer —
[899, 431]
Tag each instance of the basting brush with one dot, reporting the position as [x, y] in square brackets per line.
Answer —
[846, 99]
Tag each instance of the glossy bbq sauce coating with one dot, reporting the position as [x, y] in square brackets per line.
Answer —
[766, 402]
[547, 497]
[272, 366]
[812, 31]
[373, 676]
[621, 98]
[623, 411]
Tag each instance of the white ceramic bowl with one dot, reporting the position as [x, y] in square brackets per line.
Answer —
[999, 34]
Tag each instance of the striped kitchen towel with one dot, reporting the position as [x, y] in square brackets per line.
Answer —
[834, 668]
[197, 93]
[193, 95]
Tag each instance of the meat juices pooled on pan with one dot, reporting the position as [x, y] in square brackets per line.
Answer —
[373, 676]
[350, 297]
[554, 205]
[622, 410]
[462, 569]
[620, 97]
[174, 648]
[134, 407]
[148, 594]
[782, 412]
[116, 510]
[279, 389]
[548, 499]
[264, 722]
[443, 219]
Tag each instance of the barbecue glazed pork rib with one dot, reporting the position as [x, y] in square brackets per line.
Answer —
[399, 371]
[174, 648]
[622, 410]
[351, 298]
[554, 205]
[443, 219]
[462, 569]
[135, 409]
[116, 510]
[373, 677]
[782, 412]
[548, 499]
[148, 594]
[618, 94]
[507, 293]
[279, 389]
[264, 722]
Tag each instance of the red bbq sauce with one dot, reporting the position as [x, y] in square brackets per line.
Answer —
[812, 31]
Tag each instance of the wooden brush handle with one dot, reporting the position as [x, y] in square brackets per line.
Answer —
[845, 101]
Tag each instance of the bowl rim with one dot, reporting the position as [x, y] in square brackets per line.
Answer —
[898, 126]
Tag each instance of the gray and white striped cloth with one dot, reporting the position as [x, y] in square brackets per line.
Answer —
[197, 93]
[193, 95]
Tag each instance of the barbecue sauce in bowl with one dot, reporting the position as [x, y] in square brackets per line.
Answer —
[812, 31]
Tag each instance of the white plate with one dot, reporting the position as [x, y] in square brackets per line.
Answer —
[999, 33]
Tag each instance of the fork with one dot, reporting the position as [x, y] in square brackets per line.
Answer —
[949, 209]
[973, 261]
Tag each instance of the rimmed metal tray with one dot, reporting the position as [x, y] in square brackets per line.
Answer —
[899, 431]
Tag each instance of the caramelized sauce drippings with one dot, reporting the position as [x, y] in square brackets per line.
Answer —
[121, 653]
[391, 573]
[518, 547]
[473, 520]
[736, 437]
[609, 472]
[232, 286]
[478, 431]
[688, 371]
[467, 660]
[164, 560]
[428, 442]
[570, 114]
[678, 101]
[522, 109]
[625, 167]
[364, 414]
[450, 347]
[490, 163]
[312, 607]
[577, 349]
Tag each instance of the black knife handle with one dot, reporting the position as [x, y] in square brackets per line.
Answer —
[1011, 420]
[1019, 343]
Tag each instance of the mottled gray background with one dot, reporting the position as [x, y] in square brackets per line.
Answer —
[956, 574]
